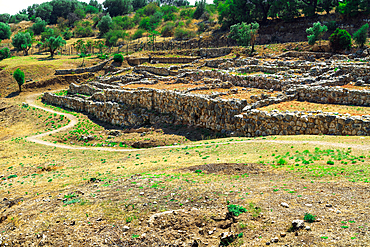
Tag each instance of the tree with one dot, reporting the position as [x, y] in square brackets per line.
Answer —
[39, 26]
[361, 35]
[44, 11]
[201, 7]
[235, 11]
[315, 33]
[310, 8]
[245, 34]
[99, 44]
[118, 7]
[18, 75]
[112, 37]
[138, 4]
[4, 53]
[263, 7]
[53, 43]
[105, 24]
[327, 5]
[22, 41]
[4, 18]
[286, 10]
[31, 10]
[350, 7]
[340, 40]
[5, 31]
[95, 4]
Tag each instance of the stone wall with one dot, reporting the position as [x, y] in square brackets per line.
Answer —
[331, 95]
[95, 68]
[136, 107]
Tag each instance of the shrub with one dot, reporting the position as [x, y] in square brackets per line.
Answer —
[181, 33]
[118, 58]
[244, 34]
[340, 40]
[330, 162]
[18, 75]
[5, 31]
[168, 29]
[198, 171]
[332, 25]
[309, 217]
[152, 22]
[150, 9]
[67, 34]
[187, 13]
[201, 7]
[361, 35]
[236, 210]
[124, 22]
[282, 161]
[4, 53]
[112, 37]
[315, 32]
[82, 31]
[105, 24]
[39, 26]
[138, 34]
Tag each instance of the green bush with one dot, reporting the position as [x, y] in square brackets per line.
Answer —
[105, 24]
[201, 7]
[18, 75]
[340, 40]
[332, 25]
[124, 22]
[67, 34]
[4, 53]
[330, 162]
[5, 31]
[138, 34]
[361, 35]
[39, 26]
[282, 161]
[236, 210]
[152, 22]
[181, 33]
[309, 217]
[315, 32]
[82, 31]
[112, 37]
[118, 58]
[187, 13]
[168, 29]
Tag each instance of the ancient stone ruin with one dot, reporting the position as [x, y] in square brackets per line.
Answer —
[227, 94]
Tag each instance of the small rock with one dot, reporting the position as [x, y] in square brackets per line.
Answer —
[282, 234]
[284, 204]
[328, 205]
[308, 205]
[274, 240]
[339, 212]
[141, 193]
[125, 228]
[308, 228]
[268, 243]
[297, 224]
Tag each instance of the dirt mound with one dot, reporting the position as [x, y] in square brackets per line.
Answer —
[58, 80]
[184, 227]
[228, 168]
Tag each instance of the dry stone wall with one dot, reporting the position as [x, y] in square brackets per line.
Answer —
[137, 107]
[95, 68]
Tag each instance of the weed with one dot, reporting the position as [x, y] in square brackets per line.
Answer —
[309, 217]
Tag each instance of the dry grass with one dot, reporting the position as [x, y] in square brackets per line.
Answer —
[308, 106]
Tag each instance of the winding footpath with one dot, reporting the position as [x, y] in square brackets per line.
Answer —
[73, 121]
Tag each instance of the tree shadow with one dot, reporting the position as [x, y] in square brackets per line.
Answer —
[11, 95]
[46, 59]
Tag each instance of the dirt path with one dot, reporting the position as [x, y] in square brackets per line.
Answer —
[38, 138]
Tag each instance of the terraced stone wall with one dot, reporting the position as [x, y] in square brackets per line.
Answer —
[136, 107]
